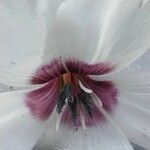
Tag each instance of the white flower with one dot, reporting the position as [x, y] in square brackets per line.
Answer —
[82, 69]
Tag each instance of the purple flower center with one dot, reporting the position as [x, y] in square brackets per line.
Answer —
[68, 89]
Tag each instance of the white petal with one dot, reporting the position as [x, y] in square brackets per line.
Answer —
[21, 41]
[125, 33]
[19, 130]
[129, 81]
[106, 136]
[135, 120]
[134, 135]
[132, 112]
[76, 29]
[132, 82]
[48, 10]
[142, 64]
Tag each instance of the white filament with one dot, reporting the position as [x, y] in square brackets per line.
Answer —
[84, 88]
[64, 64]
[82, 119]
[97, 101]
[59, 119]
[58, 122]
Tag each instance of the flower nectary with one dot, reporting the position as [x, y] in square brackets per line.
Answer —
[68, 88]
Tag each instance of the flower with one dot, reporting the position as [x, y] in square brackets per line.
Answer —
[71, 61]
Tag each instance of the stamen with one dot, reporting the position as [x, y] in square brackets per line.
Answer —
[97, 101]
[64, 64]
[58, 122]
[66, 93]
[86, 100]
[59, 119]
[66, 96]
[61, 102]
[84, 88]
[73, 108]
[82, 119]
[67, 90]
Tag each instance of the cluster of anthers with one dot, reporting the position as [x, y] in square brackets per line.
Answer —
[74, 94]
[68, 87]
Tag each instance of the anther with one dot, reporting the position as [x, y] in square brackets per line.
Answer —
[86, 100]
[61, 102]
[73, 108]
[65, 95]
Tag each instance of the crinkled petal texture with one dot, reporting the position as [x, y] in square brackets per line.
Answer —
[132, 113]
[22, 38]
[19, 129]
[106, 136]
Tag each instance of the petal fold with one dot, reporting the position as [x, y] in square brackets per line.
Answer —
[125, 33]
[76, 29]
[48, 9]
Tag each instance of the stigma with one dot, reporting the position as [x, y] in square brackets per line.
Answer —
[69, 89]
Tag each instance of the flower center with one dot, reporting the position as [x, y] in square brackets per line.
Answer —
[68, 88]
[75, 95]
